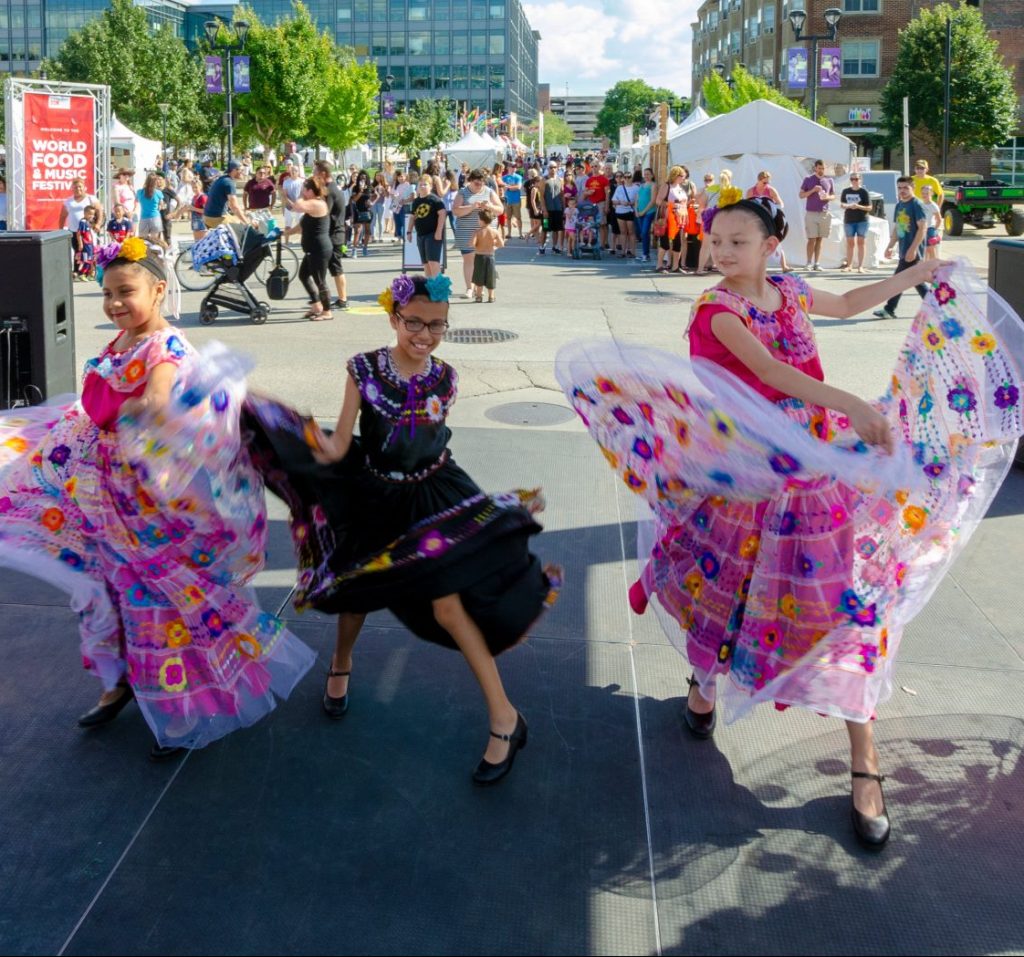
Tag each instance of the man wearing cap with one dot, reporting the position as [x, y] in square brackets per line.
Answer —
[222, 204]
[513, 200]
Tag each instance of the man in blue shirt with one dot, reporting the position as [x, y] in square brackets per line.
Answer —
[222, 203]
[513, 200]
[909, 228]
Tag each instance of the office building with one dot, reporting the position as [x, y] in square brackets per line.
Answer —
[580, 112]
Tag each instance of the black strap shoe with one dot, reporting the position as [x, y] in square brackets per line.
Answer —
[701, 726]
[487, 773]
[336, 707]
[104, 713]
[160, 752]
[872, 832]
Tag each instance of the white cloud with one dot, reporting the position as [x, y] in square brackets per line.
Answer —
[591, 47]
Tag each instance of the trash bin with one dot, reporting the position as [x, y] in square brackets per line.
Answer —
[1006, 277]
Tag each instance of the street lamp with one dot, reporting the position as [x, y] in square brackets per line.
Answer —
[385, 87]
[236, 38]
[797, 19]
[720, 70]
[164, 108]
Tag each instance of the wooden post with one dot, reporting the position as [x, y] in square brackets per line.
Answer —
[659, 150]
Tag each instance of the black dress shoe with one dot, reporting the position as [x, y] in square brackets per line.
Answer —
[872, 832]
[701, 726]
[103, 713]
[160, 752]
[487, 773]
[336, 707]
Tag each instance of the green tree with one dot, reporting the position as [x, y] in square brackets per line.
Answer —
[142, 68]
[721, 98]
[557, 132]
[983, 105]
[630, 101]
[348, 115]
[423, 125]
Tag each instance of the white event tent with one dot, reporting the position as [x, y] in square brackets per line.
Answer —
[132, 151]
[475, 150]
[764, 136]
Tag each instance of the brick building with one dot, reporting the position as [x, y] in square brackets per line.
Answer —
[757, 33]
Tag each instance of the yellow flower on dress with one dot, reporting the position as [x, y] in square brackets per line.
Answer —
[177, 634]
[984, 344]
[750, 545]
[914, 517]
[16, 444]
[788, 606]
[248, 646]
[694, 584]
[71, 486]
[387, 300]
[134, 370]
[381, 561]
[172, 675]
[933, 339]
[133, 249]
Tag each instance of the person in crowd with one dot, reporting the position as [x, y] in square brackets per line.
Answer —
[646, 212]
[408, 529]
[763, 189]
[934, 235]
[671, 203]
[855, 204]
[463, 174]
[535, 207]
[569, 189]
[402, 194]
[428, 218]
[487, 240]
[818, 190]
[259, 191]
[362, 215]
[922, 178]
[378, 199]
[157, 567]
[86, 241]
[222, 203]
[705, 200]
[553, 211]
[451, 191]
[908, 234]
[624, 202]
[337, 205]
[196, 207]
[73, 207]
[315, 228]
[595, 191]
[168, 209]
[150, 198]
[3, 205]
[572, 213]
[124, 193]
[119, 226]
[465, 213]
[513, 182]
[290, 189]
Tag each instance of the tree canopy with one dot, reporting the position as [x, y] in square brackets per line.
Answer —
[630, 101]
[425, 123]
[347, 116]
[983, 105]
[721, 98]
[557, 132]
[142, 68]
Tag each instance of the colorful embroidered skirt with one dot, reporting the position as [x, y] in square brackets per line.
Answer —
[790, 565]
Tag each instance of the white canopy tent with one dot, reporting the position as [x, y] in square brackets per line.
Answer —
[474, 150]
[763, 136]
[132, 151]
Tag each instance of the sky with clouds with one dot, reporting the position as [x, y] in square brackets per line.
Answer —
[591, 46]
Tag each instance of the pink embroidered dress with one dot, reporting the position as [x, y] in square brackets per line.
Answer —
[155, 547]
[784, 556]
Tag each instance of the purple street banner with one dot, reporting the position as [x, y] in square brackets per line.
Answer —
[240, 65]
[389, 106]
[797, 72]
[831, 67]
[214, 75]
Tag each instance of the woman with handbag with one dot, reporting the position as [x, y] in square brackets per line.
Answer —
[646, 212]
[362, 200]
[315, 228]
[623, 200]
[672, 202]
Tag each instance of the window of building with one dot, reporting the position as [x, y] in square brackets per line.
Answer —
[478, 9]
[497, 77]
[397, 44]
[861, 6]
[753, 27]
[460, 76]
[419, 43]
[497, 9]
[478, 43]
[460, 43]
[768, 69]
[478, 74]
[419, 78]
[1008, 162]
[860, 58]
[769, 19]
[496, 43]
[734, 41]
[460, 9]
[379, 44]
[442, 76]
[419, 9]
[398, 72]
[442, 43]
[396, 10]
[380, 11]
[344, 11]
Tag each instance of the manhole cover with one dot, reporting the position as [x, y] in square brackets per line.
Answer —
[659, 299]
[530, 413]
[479, 337]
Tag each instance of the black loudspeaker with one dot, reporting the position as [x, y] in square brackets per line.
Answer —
[37, 310]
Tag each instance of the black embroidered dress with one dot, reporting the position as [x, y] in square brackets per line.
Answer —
[397, 523]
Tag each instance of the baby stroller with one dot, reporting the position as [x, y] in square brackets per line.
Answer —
[588, 235]
[234, 251]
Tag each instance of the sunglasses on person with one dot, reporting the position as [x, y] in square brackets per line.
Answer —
[437, 327]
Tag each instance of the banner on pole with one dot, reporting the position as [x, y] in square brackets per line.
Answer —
[214, 75]
[389, 106]
[625, 137]
[831, 67]
[240, 65]
[60, 147]
[797, 68]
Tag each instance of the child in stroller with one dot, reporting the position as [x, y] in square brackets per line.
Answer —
[588, 237]
[234, 250]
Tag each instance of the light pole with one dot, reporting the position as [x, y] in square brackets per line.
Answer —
[797, 19]
[240, 29]
[385, 87]
[164, 107]
[720, 70]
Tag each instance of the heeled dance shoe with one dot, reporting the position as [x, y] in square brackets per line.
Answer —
[487, 773]
[336, 707]
[104, 713]
[872, 832]
[701, 726]
[160, 752]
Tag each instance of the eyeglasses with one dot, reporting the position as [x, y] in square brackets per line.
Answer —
[438, 327]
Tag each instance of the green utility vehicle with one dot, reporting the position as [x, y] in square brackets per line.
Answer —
[982, 203]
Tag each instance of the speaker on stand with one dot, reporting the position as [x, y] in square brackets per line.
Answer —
[37, 318]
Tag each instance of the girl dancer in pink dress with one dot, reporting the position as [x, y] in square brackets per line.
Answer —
[797, 529]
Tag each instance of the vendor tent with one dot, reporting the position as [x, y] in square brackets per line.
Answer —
[763, 136]
[474, 150]
[132, 151]
[697, 116]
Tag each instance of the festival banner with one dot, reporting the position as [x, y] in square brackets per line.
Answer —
[240, 65]
[389, 106]
[797, 72]
[625, 137]
[60, 147]
[214, 75]
[831, 67]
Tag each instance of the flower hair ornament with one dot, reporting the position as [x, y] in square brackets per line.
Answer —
[404, 287]
[152, 258]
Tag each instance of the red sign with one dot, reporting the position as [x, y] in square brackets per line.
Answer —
[60, 147]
